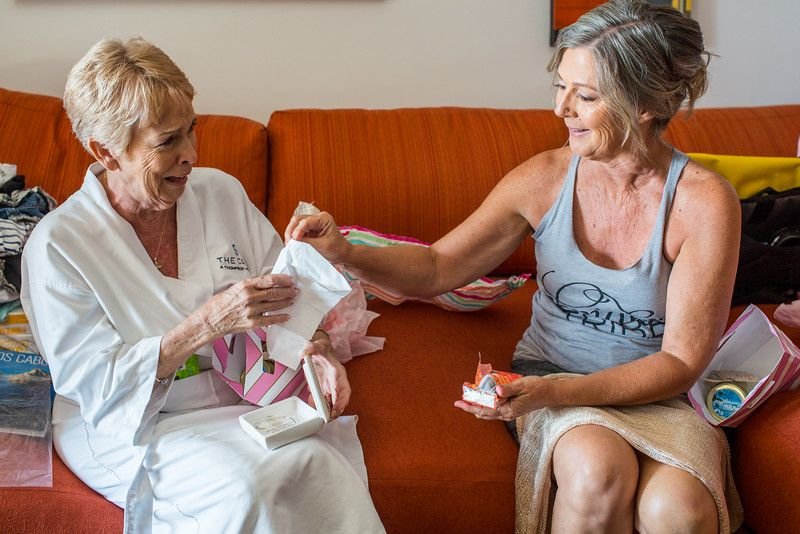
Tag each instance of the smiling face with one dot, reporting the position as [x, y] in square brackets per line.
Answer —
[580, 104]
[152, 173]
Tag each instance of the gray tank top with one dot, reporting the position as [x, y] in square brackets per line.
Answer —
[587, 317]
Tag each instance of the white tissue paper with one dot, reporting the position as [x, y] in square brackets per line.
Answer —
[347, 323]
[320, 287]
[789, 314]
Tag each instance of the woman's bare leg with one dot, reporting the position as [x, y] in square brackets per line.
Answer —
[597, 473]
[672, 500]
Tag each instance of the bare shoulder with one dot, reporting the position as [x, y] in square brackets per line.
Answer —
[534, 185]
[701, 189]
[705, 204]
[542, 171]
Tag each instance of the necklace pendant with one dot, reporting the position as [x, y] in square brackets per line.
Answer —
[158, 265]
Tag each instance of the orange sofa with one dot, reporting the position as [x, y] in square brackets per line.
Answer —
[415, 172]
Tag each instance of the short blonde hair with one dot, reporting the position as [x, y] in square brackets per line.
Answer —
[647, 58]
[120, 86]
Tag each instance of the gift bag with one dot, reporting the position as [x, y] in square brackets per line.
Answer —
[755, 347]
[244, 363]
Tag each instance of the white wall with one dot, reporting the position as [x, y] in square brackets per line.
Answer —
[250, 57]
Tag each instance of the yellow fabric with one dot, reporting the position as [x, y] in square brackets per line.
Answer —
[751, 174]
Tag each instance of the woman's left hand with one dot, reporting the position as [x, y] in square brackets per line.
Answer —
[517, 398]
[331, 375]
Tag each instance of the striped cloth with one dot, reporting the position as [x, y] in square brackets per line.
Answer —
[13, 235]
[472, 297]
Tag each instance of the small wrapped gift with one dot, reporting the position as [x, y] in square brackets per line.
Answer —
[484, 390]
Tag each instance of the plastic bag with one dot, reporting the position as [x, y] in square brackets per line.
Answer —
[25, 426]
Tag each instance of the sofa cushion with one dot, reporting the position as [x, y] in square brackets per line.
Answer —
[431, 466]
[36, 135]
[764, 450]
[766, 464]
[752, 174]
[69, 506]
[416, 172]
[755, 131]
[237, 146]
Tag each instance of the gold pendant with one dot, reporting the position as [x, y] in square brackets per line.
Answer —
[158, 265]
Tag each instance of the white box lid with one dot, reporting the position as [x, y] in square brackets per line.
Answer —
[316, 390]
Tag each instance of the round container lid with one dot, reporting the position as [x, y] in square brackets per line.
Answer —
[724, 399]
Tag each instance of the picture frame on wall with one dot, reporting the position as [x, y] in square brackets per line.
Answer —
[565, 12]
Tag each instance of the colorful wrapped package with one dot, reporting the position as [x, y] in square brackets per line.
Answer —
[243, 362]
[484, 390]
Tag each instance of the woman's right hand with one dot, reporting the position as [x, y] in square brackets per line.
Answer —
[243, 306]
[517, 398]
[321, 232]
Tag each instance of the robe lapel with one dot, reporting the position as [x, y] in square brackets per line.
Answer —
[195, 284]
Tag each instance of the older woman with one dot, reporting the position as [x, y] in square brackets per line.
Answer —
[636, 251]
[122, 285]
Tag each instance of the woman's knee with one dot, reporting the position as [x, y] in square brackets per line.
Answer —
[595, 468]
[667, 513]
[677, 502]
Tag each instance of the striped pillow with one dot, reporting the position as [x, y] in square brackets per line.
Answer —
[472, 297]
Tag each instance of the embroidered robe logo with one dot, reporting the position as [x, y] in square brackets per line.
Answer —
[232, 263]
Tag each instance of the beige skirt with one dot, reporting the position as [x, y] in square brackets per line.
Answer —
[670, 432]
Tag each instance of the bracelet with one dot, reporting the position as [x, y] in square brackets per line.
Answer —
[163, 382]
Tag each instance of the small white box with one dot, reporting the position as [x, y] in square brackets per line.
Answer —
[477, 396]
[291, 419]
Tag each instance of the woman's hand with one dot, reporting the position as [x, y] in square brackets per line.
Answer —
[243, 306]
[239, 308]
[517, 398]
[331, 375]
[321, 232]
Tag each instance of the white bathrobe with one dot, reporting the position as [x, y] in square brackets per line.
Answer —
[173, 456]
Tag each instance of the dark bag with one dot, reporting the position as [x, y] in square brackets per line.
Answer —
[769, 257]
